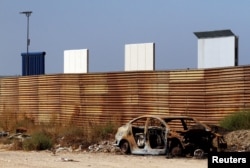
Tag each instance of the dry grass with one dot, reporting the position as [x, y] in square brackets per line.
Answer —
[47, 135]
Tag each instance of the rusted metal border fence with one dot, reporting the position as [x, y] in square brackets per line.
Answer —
[209, 95]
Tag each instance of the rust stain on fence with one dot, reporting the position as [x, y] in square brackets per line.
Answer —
[209, 95]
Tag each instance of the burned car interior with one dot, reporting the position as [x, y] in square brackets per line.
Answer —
[170, 135]
[154, 132]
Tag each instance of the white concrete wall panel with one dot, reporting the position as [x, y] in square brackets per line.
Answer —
[127, 57]
[133, 59]
[139, 56]
[216, 52]
[150, 55]
[76, 61]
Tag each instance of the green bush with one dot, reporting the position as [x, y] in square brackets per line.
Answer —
[38, 141]
[237, 121]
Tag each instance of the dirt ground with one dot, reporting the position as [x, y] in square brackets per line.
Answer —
[21, 159]
[238, 141]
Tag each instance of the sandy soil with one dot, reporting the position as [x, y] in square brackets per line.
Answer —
[21, 159]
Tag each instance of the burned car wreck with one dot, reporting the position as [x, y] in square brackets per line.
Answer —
[170, 135]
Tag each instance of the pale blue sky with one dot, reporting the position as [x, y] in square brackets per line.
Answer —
[105, 26]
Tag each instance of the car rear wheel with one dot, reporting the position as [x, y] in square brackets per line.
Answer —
[124, 146]
[175, 148]
[176, 151]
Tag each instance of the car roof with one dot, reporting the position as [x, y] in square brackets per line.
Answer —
[165, 117]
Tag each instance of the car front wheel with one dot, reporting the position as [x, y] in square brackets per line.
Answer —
[124, 146]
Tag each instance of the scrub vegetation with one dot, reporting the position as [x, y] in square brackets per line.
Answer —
[237, 121]
[46, 136]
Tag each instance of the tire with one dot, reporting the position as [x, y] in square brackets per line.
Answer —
[124, 146]
[176, 149]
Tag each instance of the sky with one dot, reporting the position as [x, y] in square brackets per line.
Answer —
[105, 26]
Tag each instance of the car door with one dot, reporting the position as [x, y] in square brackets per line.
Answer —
[149, 136]
[138, 142]
[156, 133]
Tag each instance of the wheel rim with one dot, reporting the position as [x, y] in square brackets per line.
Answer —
[198, 153]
